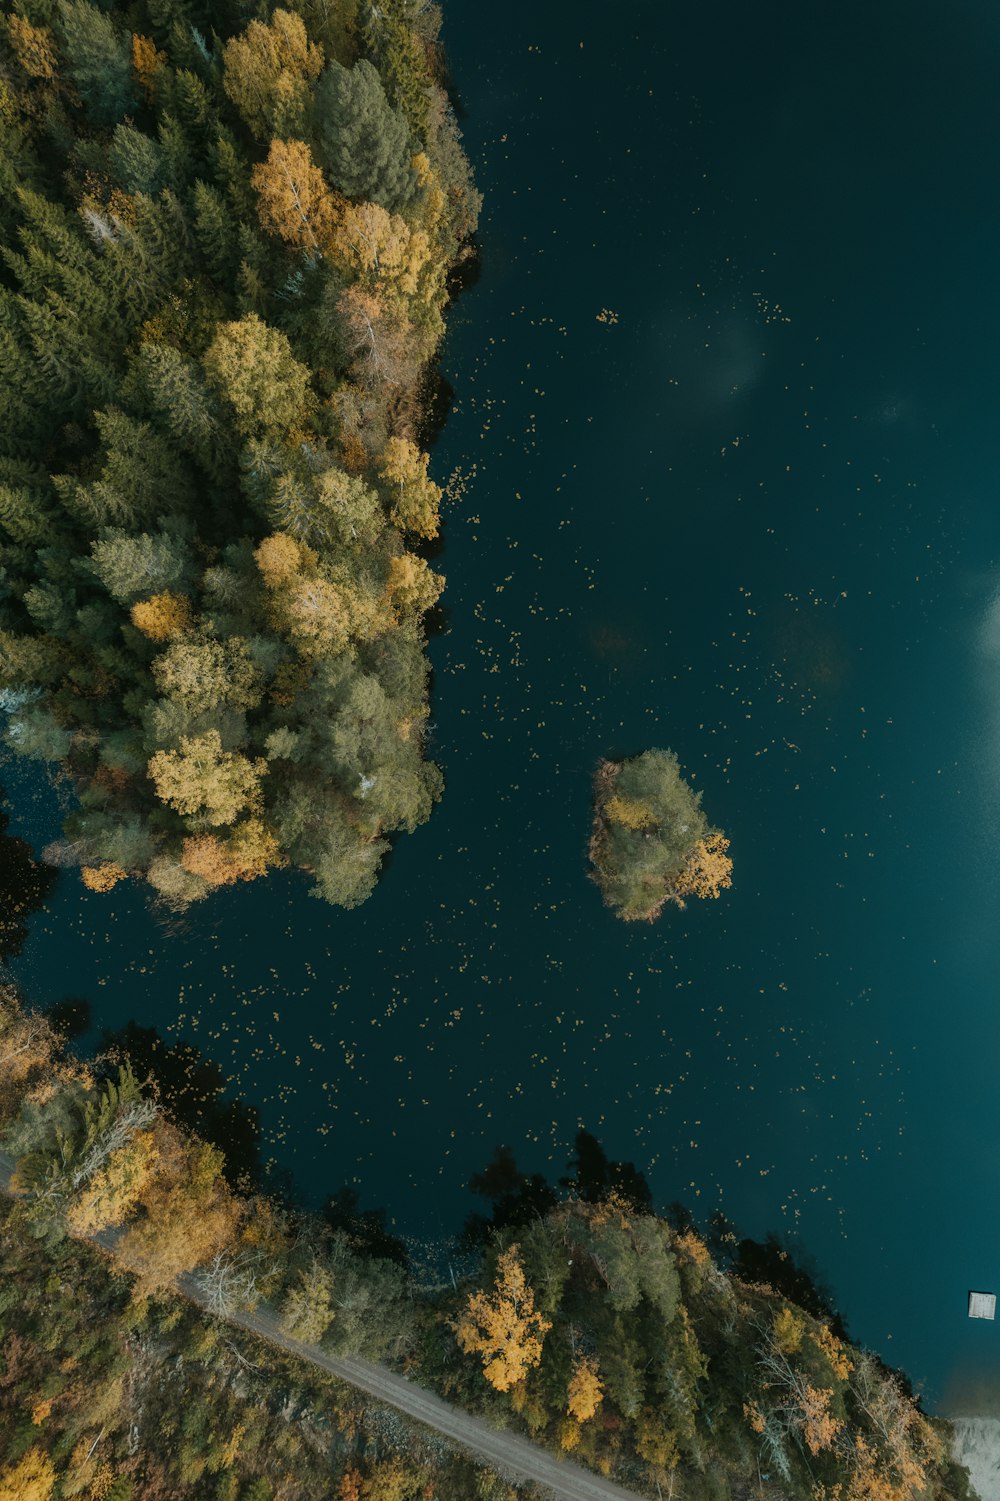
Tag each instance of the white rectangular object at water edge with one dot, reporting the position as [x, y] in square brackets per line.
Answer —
[982, 1305]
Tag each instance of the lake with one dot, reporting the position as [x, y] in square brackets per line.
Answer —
[724, 476]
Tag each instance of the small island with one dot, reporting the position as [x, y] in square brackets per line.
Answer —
[651, 843]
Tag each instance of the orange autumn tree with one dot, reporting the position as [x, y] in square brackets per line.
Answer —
[503, 1327]
[249, 851]
[102, 877]
[147, 64]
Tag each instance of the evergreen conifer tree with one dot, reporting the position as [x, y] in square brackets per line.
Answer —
[362, 141]
[98, 60]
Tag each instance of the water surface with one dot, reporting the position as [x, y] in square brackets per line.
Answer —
[725, 476]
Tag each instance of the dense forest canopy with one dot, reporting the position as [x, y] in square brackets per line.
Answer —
[651, 843]
[705, 1372]
[226, 235]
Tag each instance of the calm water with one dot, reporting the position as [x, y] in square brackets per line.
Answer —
[724, 438]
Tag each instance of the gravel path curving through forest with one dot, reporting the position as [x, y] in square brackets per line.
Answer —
[507, 1452]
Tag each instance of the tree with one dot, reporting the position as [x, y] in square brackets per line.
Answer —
[102, 877]
[503, 1326]
[216, 232]
[651, 842]
[376, 337]
[147, 64]
[708, 870]
[137, 161]
[204, 673]
[585, 1389]
[293, 200]
[269, 72]
[30, 1479]
[362, 141]
[112, 1193]
[411, 584]
[377, 244]
[232, 1280]
[253, 368]
[320, 613]
[307, 1311]
[249, 851]
[129, 566]
[33, 47]
[190, 1216]
[177, 392]
[201, 779]
[162, 617]
[98, 60]
[416, 499]
[402, 59]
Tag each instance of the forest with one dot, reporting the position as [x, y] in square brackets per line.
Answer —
[681, 1362]
[227, 237]
[651, 844]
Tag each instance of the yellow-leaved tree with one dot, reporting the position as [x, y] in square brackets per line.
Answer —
[503, 1326]
[416, 499]
[269, 72]
[162, 617]
[202, 779]
[709, 869]
[31, 1479]
[293, 200]
[411, 585]
[585, 1389]
[190, 1215]
[111, 1195]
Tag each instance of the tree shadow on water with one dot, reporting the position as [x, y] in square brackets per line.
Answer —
[366, 1227]
[517, 1198]
[70, 1017]
[776, 1263]
[191, 1087]
[24, 887]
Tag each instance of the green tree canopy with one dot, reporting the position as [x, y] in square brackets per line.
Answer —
[362, 141]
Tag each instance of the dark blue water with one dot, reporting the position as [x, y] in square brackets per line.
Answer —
[726, 398]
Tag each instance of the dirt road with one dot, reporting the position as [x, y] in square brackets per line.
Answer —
[507, 1452]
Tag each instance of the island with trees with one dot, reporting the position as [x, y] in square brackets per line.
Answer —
[227, 237]
[700, 1367]
[651, 843]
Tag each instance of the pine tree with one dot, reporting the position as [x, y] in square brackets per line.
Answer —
[178, 393]
[401, 58]
[363, 142]
[136, 161]
[214, 231]
[97, 59]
